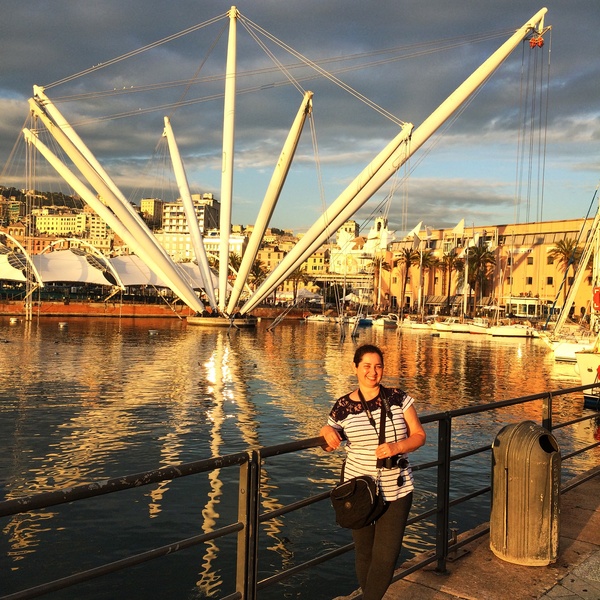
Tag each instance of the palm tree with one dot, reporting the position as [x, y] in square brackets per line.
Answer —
[257, 274]
[481, 263]
[379, 264]
[408, 257]
[451, 262]
[426, 260]
[568, 254]
[297, 276]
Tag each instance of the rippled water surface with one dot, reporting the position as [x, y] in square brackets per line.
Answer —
[103, 398]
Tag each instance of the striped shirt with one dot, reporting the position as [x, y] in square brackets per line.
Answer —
[362, 439]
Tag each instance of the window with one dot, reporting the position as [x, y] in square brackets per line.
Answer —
[509, 280]
[550, 280]
[528, 280]
[549, 261]
[509, 261]
[530, 260]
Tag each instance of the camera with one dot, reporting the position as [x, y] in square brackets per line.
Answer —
[392, 461]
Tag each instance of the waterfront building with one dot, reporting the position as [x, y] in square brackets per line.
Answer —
[525, 279]
[355, 260]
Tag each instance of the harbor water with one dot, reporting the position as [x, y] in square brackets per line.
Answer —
[83, 400]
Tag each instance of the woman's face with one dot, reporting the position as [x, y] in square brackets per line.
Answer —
[369, 370]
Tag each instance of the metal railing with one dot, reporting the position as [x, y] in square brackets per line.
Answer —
[249, 515]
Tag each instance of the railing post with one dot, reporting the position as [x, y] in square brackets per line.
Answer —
[247, 542]
[547, 412]
[443, 492]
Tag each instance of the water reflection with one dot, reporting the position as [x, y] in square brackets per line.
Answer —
[103, 398]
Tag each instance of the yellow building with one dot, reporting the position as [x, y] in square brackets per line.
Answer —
[523, 280]
[63, 224]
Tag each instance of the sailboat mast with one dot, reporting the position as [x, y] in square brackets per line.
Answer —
[227, 165]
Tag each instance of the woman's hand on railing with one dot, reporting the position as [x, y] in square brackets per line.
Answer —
[332, 438]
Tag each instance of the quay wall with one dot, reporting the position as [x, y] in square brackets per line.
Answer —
[14, 308]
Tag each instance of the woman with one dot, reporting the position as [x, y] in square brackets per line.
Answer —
[377, 546]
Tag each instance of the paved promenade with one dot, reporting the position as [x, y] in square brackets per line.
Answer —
[480, 575]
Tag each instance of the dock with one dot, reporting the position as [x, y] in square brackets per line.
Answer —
[480, 575]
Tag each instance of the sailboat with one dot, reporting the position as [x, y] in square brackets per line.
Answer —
[225, 303]
[566, 342]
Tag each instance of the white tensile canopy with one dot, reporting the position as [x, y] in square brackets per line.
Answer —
[78, 266]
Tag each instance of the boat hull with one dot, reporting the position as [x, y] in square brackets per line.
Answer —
[320, 319]
[513, 331]
[588, 365]
[451, 325]
[384, 324]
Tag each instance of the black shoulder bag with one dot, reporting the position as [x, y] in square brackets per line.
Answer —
[359, 502]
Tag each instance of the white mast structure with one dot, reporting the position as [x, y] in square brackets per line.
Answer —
[270, 200]
[387, 163]
[227, 166]
[190, 214]
[144, 243]
[365, 185]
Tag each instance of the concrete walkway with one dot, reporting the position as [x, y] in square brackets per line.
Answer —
[481, 575]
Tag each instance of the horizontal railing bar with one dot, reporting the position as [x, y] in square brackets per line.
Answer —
[427, 465]
[234, 596]
[470, 410]
[413, 568]
[579, 479]
[172, 472]
[470, 496]
[587, 417]
[294, 506]
[472, 452]
[107, 486]
[580, 451]
[119, 565]
[421, 516]
[291, 447]
[305, 565]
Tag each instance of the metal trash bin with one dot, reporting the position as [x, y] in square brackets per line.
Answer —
[524, 521]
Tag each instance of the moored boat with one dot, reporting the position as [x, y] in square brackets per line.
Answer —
[320, 319]
[452, 324]
[361, 321]
[389, 321]
[415, 325]
[513, 330]
[566, 350]
[588, 368]
[479, 325]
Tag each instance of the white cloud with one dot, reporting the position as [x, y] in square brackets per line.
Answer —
[470, 173]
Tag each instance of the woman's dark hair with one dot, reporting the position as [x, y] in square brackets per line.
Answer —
[366, 349]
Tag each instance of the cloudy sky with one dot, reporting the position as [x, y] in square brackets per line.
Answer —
[526, 148]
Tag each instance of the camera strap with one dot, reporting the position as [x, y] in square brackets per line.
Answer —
[370, 416]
